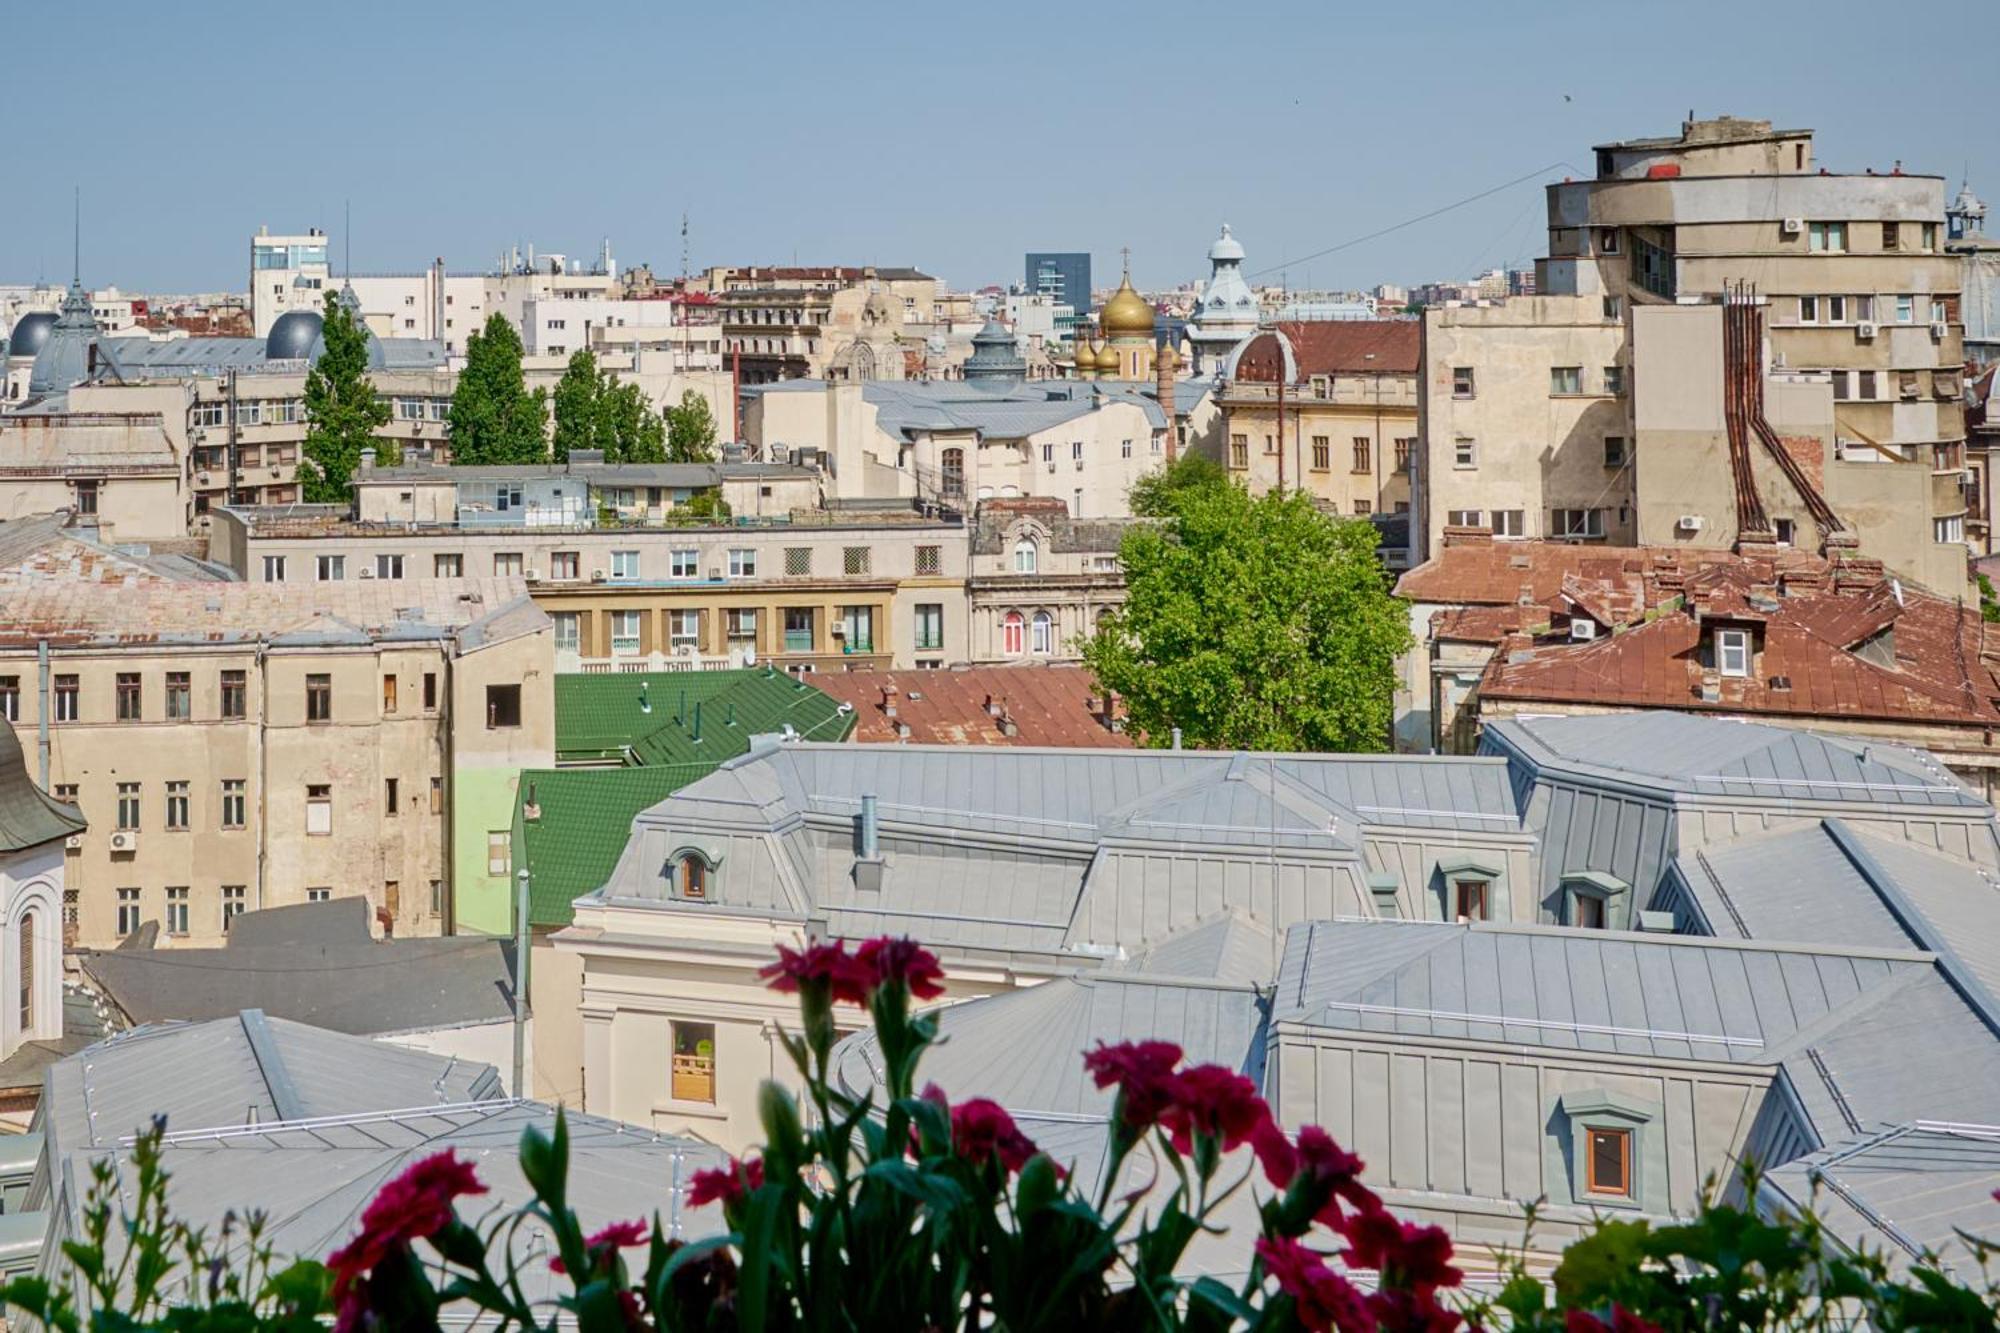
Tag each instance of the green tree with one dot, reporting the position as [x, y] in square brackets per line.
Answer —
[1259, 624]
[1155, 494]
[635, 432]
[342, 409]
[578, 405]
[494, 419]
[691, 430]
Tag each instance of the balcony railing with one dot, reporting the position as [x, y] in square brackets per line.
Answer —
[694, 1078]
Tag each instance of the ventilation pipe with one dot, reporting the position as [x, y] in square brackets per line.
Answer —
[870, 830]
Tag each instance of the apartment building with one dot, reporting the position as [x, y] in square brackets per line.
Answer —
[1626, 404]
[1328, 407]
[230, 744]
[1039, 580]
[118, 470]
[804, 323]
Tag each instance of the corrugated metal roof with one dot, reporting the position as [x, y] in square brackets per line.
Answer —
[1908, 1190]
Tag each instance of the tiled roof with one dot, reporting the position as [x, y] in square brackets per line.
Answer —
[585, 816]
[358, 610]
[1335, 347]
[1927, 666]
[1048, 705]
[1475, 570]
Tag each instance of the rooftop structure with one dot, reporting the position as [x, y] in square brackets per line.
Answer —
[1034, 705]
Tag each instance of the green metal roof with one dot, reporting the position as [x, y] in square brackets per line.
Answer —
[650, 717]
[29, 816]
[646, 722]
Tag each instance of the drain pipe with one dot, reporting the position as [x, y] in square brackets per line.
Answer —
[42, 708]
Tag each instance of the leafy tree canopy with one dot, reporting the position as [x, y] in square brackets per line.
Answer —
[691, 429]
[1154, 494]
[594, 409]
[342, 410]
[494, 419]
[1252, 623]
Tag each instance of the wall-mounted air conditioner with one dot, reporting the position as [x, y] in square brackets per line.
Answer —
[1867, 328]
[532, 575]
[1795, 226]
[597, 576]
[1690, 523]
[1939, 329]
[74, 842]
[125, 840]
[1582, 631]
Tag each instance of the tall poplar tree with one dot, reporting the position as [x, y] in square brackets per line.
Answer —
[578, 404]
[691, 430]
[494, 419]
[342, 409]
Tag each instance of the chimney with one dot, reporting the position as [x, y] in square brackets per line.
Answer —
[368, 459]
[1163, 370]
[531, 809]
[1007, 726]
[992, 706]
[870, 830]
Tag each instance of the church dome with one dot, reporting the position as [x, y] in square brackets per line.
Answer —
[30, 332]
[1226, 248]
[1126, 314]
[292, 338]
[1105, 357]
[65, 357]
[994, 355]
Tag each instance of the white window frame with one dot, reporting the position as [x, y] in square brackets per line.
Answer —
[1732, 653]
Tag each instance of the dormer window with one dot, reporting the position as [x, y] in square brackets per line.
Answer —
[693, 877]
[691, 874]
[1732, 652]
[1025, 556]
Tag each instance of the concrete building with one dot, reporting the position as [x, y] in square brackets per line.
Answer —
[1038, 580]
[815, 322]
[1328, 407]
[231, 738]
[1062, 276]
[1630, 402]
[119, 471]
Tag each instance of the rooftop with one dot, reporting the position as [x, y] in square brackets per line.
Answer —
[1330, 347]
[1035, 705]
[53, 547]
[124, 443]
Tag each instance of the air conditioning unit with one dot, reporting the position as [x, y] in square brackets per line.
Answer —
[1052, 467]
[839, 630]
[367, 573]
[74, 842]
[715, 573]
[597, 576]
[1582, 631]
[1795, 226]
[1690, 523]
[125, 840]
[1079, 465]
[1866, 329]
[1938, 330]
[201, 479]
[532, 575]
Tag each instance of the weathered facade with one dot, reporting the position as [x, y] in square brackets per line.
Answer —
[1038, 580]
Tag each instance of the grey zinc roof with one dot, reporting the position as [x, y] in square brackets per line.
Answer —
[1904, 1191]
[1741, 760]
[1231, 948]
[1597, 991]
[305, 963]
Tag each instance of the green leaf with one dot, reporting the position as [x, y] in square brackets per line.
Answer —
[545, 1163]
[1594, 1265]
[933, 1190]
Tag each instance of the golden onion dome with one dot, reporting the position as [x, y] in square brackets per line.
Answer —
[1127, 314]
[1107, 359]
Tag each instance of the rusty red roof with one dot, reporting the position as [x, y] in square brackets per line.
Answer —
[1046, 705]
[1335, 347]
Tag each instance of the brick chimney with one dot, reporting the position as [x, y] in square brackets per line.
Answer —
[1163, 371]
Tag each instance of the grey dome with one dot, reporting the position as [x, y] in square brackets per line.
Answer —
[995, 355]
[65, 358]
[293, 336]
[30, 332]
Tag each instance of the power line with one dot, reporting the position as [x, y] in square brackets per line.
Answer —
[1410, 222]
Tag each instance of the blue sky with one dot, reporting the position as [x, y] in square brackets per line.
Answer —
[952, 136]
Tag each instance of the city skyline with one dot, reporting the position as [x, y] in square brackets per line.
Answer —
[803, 153]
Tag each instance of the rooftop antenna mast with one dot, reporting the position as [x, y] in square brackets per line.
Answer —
[76, 237]
[347, 240]
[684, 247]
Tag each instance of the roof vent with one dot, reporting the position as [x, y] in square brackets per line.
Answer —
[1781, 682]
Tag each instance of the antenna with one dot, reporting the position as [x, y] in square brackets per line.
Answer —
[76, 238]
[347, 238]
[684, 245]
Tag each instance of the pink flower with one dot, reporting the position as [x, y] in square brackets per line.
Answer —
[1407, 1255]
[887, 959]
[1217, 1102]
[817, 964]
[617, 1236]
[1622, 1320]
[1144, 1074]
[415, 1205]
[725, 1184]
[1322, 1299]
[1332, 1173]
[981, 1129]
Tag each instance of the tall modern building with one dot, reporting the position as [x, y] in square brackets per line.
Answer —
[1063, 277]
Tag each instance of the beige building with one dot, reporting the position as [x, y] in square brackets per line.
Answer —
[820, 322]
[238, 746]
[1326, 406]
[1039, 580]
[1604, 410]
[119, 469]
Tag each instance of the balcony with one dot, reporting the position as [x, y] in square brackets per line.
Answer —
[571, 663]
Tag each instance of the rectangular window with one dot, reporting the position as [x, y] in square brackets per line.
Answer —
[625, 565]
[448, 565]
[1906, 310]
[1322, 453]
[1840, 385]
[128, 805]
[389, 691]
[740, 625]
[683, 629]
[1607, 240]
[274, 569]
[177, 909]
[1836, 310]
[930, 559]
[1866, 389]
[388, 566]
[1784, 529]
[319, 895]
[1614, 307]
[391, 790]
[1930, 235]
[503, 706]
[1048, 452]
[742, 562]
[856, 559]
[234, 689]
[1892, 235]
[128, 696]
[1125, 449]
[233, 896]
[437, 796]
[1239, 451]
[235, 802]
[1362, 455]
[1864, 309]
[1364, 507]
[563, 565]
[437, 897]
[430, 691]
[1945, 531]
[1614, 451]
[798, 561]
[330, 568]
[1608, 1161]
[1828, 236]
[1938, 312]
[128, 911]
[1732, 652]
[1466, 518]
[1577, 523]
[694, 1062]
[1614, 379]
[177, 806]
[1469, 900]
[1510, 523]
[799, 633]
[319, 697]
[1404, 447]
[10, 698]
[857, 626]
[930, 626]
[506, 564]
[1565, 379]
[319, 810]
[1461, 382]
[1588, 911]
[499, 852]
[568, 631]
[624, 631]
[1464, 453]
[1808, 310]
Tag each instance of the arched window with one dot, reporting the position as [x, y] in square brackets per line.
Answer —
[954, 472]
[1045, 633]
[1011, 626]
[1025, 556]
[692, 871]
[27, 957]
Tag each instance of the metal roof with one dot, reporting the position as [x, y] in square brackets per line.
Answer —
[1906, 1191]
[29, 816]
